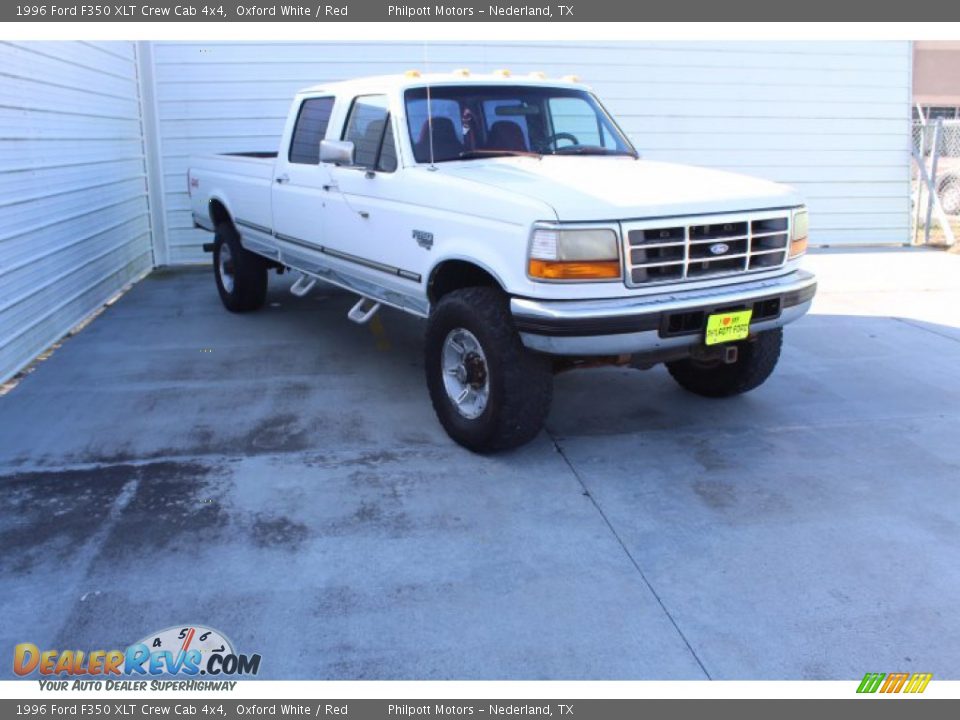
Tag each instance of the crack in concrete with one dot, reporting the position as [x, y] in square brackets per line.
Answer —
[920, 326]
[626, 550]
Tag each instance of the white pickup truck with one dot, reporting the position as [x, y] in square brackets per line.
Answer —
[517, 218]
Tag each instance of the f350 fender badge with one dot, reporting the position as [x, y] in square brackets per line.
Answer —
[424, 239]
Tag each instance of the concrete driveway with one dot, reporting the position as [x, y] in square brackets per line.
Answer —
[280, 476]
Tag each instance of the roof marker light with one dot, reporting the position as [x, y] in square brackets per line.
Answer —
[538, 75]
[461, 72]
[571, 78]
[412, 73]
[503, 72]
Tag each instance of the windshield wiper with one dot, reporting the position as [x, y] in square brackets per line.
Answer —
[589, 150]
[468, 154]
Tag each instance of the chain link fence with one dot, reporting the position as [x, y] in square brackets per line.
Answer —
[948, 142]
[936, 178]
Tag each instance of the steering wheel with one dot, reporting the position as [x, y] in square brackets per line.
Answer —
[552, 140]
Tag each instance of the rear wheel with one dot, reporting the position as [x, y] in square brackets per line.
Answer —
[240, 274]
[489, 392]
[756, 359]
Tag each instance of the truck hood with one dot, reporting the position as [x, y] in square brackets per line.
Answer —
[582, 188]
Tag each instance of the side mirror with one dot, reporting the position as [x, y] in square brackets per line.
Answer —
[338, 152]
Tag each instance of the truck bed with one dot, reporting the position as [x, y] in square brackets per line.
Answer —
[239, 180]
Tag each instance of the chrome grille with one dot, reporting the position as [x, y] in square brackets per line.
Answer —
[688, 249]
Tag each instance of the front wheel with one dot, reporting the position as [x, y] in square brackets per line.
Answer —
[756, 359]
[489, 392]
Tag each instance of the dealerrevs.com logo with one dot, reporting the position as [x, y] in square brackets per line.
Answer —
[190, 650]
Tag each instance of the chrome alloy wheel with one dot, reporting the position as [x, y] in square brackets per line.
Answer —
[225, 268]
[465, 375]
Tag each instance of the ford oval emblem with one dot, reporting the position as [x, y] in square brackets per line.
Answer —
[719, 248]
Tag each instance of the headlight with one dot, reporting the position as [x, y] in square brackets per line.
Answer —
[799, 232]
[574, 254]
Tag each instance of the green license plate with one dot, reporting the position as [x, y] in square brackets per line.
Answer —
[727, 327]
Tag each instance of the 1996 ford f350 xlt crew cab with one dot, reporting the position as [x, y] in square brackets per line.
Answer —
[518, 219]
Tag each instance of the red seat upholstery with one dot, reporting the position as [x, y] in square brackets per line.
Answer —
[506, 135]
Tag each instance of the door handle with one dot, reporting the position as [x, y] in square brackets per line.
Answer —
[331, 186]
[283, 178]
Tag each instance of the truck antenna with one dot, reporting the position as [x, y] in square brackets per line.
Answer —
[426, 65]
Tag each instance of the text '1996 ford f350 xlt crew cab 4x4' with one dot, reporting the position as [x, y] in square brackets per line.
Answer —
[515, 216]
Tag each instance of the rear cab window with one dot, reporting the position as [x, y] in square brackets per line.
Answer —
[310, 128]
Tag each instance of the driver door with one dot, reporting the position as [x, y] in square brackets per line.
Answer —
[369, 217]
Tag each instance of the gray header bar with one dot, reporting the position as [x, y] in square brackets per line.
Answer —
[473, 11]
[223, 709]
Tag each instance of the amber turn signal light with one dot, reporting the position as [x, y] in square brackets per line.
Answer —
[798, 247]
[556, 270]
[798, 232]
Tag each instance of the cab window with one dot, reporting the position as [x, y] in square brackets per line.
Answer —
[310, 129]
[369, 129]
[388, 151]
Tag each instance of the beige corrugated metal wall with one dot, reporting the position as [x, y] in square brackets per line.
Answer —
[832, 118]
[74, 224]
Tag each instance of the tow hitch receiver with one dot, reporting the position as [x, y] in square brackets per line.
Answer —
[727, 354]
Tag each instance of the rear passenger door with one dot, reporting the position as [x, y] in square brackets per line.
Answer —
[300, 183]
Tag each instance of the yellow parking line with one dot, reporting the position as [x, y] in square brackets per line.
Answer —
[379, 334]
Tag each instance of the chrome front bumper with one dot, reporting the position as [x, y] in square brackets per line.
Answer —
[651, 323]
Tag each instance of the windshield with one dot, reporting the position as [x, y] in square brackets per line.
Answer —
[473, 121]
